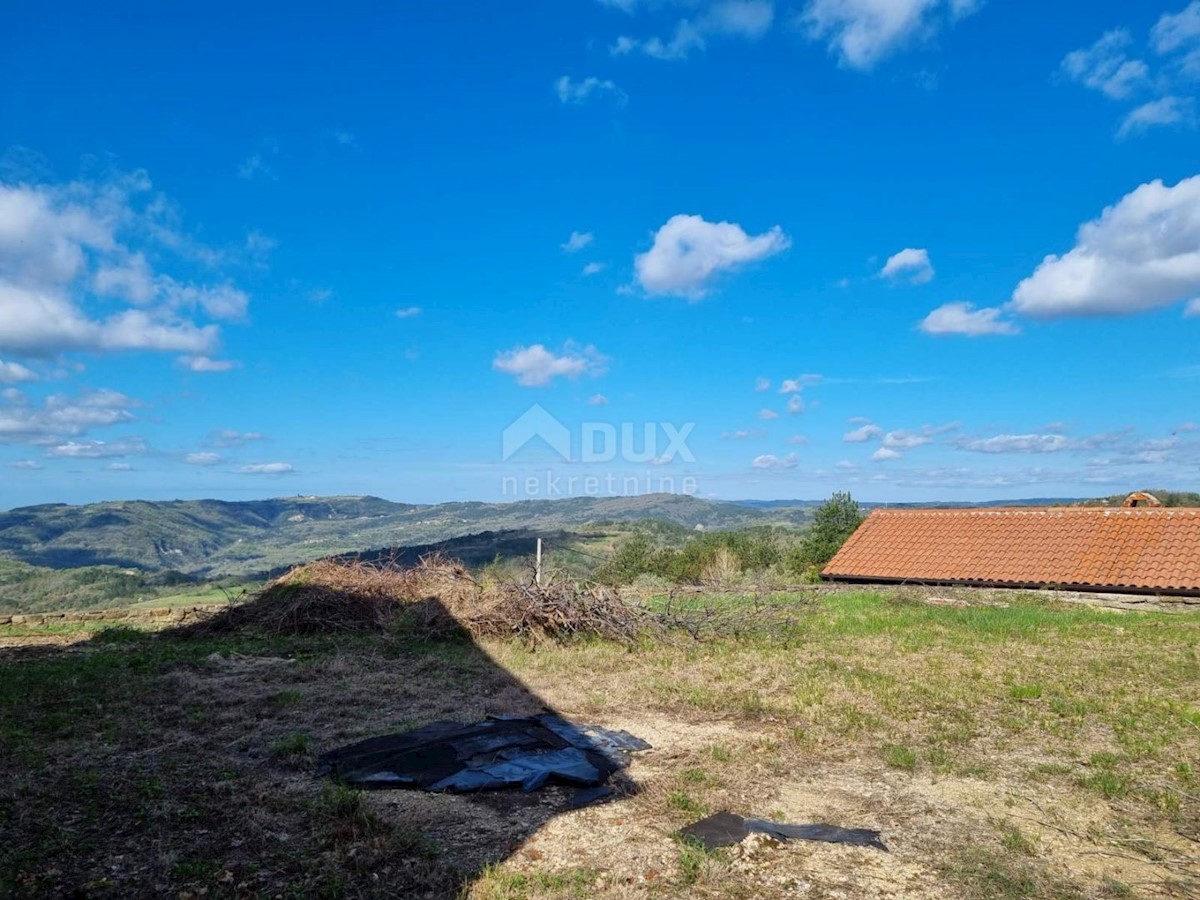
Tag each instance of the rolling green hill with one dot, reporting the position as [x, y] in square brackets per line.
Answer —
[213, 538]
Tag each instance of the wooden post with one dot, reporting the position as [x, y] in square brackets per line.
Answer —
[537, 571]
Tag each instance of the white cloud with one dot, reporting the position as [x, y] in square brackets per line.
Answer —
[585, 89]
[762, 384]
[1177, 31]
[795, 404]
[1016, 443]
[796, 385]
[60, 416]
[911, 265]
[577, 241]
[534, 366]
[745, 19]
[863, 32]
[272, 468]
[964, 318]
[593, 268]
[1169, 110]
[597, 400]
[689, 253]
[862, 434]
[1105, 67]
[768, 414]
[205, 364]
[119, 467]
[134, 446]
[885, 453]
[202, 459]
[29, 464]
[408, 312]
[771, 461]
[1192, 309]
[66, 249]
[906, 440]
[228, 437]
[1143, 253]
[15, 373]
[798, 439]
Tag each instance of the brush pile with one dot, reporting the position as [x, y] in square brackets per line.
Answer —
[437, 597]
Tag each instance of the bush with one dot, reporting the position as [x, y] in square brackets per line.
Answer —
[834, 521]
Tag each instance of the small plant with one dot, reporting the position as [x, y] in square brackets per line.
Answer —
[291, 746]
[900, 757]
[685, 802]
[1031, 691]
[1016, 841]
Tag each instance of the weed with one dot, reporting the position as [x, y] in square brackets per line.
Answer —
[291, 746]
[899, 757]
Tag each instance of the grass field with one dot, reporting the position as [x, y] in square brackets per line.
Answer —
[1005, 749]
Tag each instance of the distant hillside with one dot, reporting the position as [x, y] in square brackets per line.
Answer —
[212, 538]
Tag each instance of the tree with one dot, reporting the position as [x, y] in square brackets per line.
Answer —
[833, 522]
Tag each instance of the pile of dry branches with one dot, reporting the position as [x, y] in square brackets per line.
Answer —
[436, 597]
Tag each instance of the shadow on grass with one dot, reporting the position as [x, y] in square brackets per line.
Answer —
[182, 763]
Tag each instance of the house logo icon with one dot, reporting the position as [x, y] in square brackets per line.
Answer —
[535, 422]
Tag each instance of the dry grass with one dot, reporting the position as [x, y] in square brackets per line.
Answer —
[1006, 748]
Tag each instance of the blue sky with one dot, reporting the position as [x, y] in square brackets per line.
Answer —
[917, 249]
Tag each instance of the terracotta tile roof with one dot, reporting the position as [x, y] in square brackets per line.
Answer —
[1092, 548]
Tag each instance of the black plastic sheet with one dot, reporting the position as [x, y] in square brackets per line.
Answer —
[500, 752]
[724, 829]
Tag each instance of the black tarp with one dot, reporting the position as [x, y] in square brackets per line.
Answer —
[724, 829]
[500, 752]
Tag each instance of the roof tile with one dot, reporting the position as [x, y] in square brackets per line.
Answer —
[1140, 548]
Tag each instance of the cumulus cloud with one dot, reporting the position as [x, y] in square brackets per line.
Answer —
[229, 437]
[1143, 253]
[907, 440]
[745, 19]
[885, 453]
[408, 312]
[202, 459]
[868, 431]
[15, 373]
[863, 32]
[1169, 110]
[1178, 31]
[590, 88]
[133, 446]
[771, 461]
[74, 274]
[964, 318]
[1105, 66]
[593, 268]
[535, 366]
[689, 253]
[206, 364]
[1016, 443]
[271, 468]
[577, 241]
[911, 265]
[60, 416]
[762, 384]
